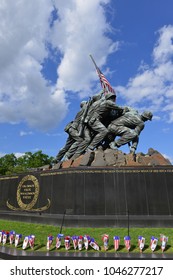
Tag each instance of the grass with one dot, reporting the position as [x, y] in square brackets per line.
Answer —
[42, 231]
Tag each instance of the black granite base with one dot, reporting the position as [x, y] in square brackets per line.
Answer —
[91, 221]
[91, 197]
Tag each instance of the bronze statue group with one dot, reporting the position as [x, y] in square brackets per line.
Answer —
[98, 124]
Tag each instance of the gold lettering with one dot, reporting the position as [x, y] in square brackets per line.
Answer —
[104, 171]
[27, 186]
[27, 189]
[28, 193]
[27, 197]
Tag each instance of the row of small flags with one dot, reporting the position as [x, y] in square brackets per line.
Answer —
[16, 238]
[79, 242]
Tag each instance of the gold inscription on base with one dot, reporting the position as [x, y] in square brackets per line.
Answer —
[27, 195]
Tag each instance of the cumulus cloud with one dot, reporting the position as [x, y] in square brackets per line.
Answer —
[24, 94]
[80, 28]
[73, 29]
[153, 85]
[27, 28]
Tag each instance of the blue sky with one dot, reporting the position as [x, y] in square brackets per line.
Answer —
[45, 69]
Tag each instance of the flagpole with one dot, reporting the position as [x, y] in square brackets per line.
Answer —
[97, 69]
[93, 61]
[128, 224]
[63, 218]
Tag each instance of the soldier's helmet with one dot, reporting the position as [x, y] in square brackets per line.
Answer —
[110, 95]
[83, 103]
[147, 115]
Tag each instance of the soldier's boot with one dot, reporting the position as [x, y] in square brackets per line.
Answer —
[66, 158]
[113, 145]
[132, 150]
[89, 149]
[100, 148]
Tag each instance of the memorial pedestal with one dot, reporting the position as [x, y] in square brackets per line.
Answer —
[91, 196]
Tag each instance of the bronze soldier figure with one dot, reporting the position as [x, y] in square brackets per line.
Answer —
[97, 114]
[72, 129]
[128, 127]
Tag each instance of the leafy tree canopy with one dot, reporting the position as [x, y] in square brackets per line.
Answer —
[10, 164]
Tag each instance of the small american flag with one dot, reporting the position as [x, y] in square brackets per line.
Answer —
[164, 240]
[116, 242]
[127, 242]
[153, 243]
[141, 242]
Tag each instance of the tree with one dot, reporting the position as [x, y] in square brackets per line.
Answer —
[7, 163]
[10, 164]
[35, 160]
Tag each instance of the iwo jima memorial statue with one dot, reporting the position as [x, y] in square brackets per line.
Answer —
[92, 182]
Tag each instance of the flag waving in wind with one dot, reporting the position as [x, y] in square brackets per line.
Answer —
[104, 82]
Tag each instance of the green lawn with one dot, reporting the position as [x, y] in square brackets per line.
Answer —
[42, 231]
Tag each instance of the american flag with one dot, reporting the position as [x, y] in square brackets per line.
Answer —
[104, 82]
[116, 242]
[127, 242]
[153, 243]
[141, 242]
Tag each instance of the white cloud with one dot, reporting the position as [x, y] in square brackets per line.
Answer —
[25, 133]
[80, 29]
[153, 85]
[24, 93]
[54, 134]
[18, 155]
[157, 118]
[2, 154]
[163, 50]
[26, 29]
[168, 157]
